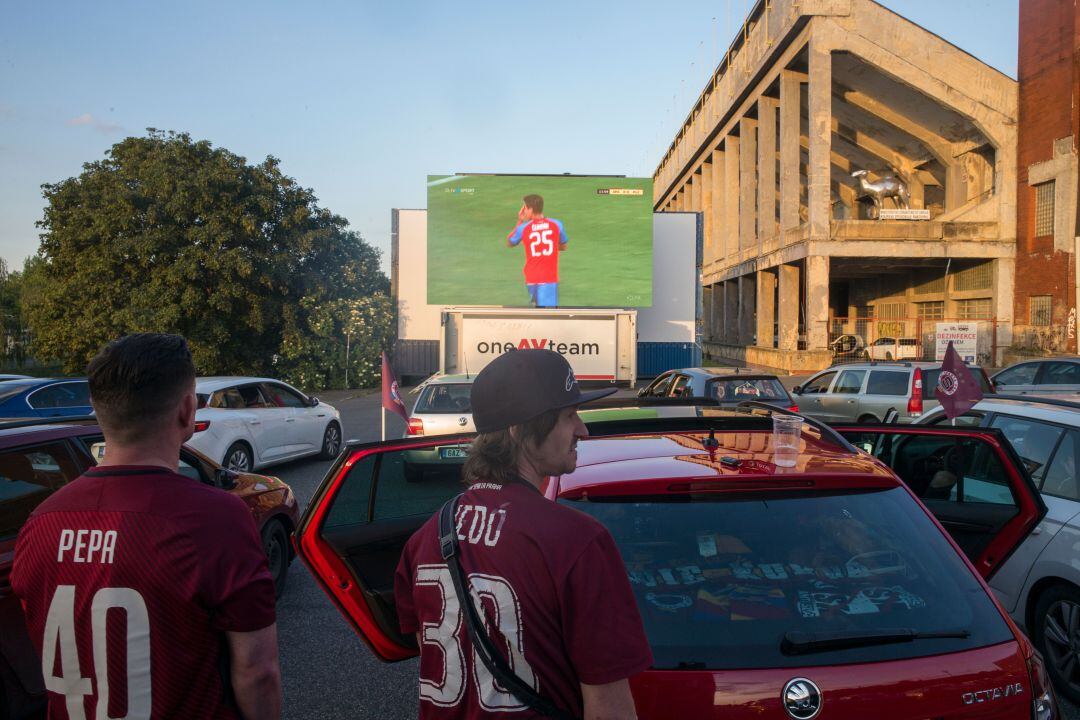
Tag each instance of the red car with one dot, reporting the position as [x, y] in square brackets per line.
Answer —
[849, 586]
[38, 458]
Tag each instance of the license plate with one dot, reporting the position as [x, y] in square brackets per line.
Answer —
[447, 453]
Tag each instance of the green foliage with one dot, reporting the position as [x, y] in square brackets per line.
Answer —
[170, 235]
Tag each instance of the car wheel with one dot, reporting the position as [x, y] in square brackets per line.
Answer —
[888, 356]
[276, 545]
[866, 356]
[867, 419]
[331, 442]
[1057, 636]
[238, 458]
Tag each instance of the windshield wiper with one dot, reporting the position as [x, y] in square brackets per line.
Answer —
[801, 643]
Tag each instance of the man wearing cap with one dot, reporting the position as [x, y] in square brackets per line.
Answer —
[551, 584]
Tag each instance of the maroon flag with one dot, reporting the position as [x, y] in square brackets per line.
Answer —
[391, 400]
[957, 389]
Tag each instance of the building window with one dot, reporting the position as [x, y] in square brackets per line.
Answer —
[1044, 209]
[931, 284]
[931, 310]
[976, 277]
[977, 309]
[1039, 309]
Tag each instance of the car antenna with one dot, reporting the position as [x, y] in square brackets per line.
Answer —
[711, 443]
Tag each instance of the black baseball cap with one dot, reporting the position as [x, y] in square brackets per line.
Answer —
[520, 385]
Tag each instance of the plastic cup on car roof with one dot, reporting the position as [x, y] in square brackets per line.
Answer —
[787, 432]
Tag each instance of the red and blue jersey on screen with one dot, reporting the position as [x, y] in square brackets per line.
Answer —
[130, 578]
[543, 238]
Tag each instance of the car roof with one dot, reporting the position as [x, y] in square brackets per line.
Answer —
[449, 379]
[894, 365]
[680, 456]
[1036, 409]
[20, 433]
[722, 372]
[217, 382]
[38, 382]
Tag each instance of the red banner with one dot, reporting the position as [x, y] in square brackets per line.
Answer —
[391, 400]
[957, 389]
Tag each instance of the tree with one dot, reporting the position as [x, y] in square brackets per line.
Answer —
[170, 235]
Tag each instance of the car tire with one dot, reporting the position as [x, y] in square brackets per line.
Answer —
[888, 356]
[331, 442]
[866, 355]
[867, 419]
[276, 545]
[1053, 639]
[238, 458]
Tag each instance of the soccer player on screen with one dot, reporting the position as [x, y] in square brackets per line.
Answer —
[544, 238]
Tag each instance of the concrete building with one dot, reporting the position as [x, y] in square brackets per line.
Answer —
[810, 92]
[1046, 281]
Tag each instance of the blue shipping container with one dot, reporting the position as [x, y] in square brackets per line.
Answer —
[654, 358]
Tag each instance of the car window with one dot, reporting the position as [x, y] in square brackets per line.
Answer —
[680, 386]
[885, 341]
[1033, 441]
[737, 389]
[417, 482]
[444, 398]
[252, 397]
[931, 375]
[720, 582]
[9, 389]
[850, 382]
[191, 467]
[1060, 373]
[659, 387]
[888, 382]
[28, 476]
[820, 384]
[1019, 375]
[61, 395]
[281, 396]
[1060, 479]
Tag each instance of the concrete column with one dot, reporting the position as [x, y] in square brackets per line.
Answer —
[1004, 287]
[731, 194]
[788, 307]
[747, 183]
[731, 312]
[706, 312]
[790, 132]
[716, 239]
[695, 192]
[817, 302]
[766, 141]
[818, 198]
[766, 307]
[955, 186]
[747, 295]
[706, 209]
[717, 312]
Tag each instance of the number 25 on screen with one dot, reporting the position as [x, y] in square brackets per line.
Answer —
[541, 243]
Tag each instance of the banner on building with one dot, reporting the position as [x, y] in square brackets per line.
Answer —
[963, 336]
[588, 344]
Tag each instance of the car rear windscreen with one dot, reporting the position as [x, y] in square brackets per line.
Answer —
[721, 582]
[739, 389]
[11, 388]
[930, 380]
[444, 398]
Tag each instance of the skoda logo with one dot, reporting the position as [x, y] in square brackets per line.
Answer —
[802, 699]
[463, 421]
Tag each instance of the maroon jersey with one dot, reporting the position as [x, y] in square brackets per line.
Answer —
[130, 577]
[554, 593]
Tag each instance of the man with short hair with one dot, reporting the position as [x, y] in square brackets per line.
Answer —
[544, 238]
[551, 583]
[147, 593]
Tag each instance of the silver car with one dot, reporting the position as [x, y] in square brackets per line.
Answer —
[1053, 376]
[865, 392]
[443, 407]
[1039, 585]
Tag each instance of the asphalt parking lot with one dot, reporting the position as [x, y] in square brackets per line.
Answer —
[327, 670]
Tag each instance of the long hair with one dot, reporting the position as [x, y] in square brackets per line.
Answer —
[494, 456]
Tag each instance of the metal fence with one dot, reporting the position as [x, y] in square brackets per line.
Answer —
[907, 338]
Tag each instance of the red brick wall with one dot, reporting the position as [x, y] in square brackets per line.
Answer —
[1049, 84]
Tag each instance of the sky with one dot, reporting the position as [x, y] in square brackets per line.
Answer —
[362, 99]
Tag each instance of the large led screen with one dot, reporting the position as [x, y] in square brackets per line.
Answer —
[542, 241]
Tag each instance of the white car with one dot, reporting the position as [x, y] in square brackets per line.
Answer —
[891, 348]
[247, 423]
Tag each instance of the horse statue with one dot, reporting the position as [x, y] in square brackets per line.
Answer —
[887, 187]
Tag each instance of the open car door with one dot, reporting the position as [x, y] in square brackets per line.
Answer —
[351, 536]
[971, 479]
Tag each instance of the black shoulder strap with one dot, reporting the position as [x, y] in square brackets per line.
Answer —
[498, 667]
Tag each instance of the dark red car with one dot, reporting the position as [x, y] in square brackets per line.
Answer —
[849, 586]
[35, 461]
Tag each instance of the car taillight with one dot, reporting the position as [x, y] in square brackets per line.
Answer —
[201, 425]
[793, 408]
[914, 403]
[1043, 702]
[416, 427]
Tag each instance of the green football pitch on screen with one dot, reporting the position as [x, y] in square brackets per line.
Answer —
[605, 221]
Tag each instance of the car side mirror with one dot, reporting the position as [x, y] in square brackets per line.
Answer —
[797, 390]
[642, 392]
[225, 479]
[313, 401]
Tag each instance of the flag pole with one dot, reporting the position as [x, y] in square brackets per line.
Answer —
[382, 411]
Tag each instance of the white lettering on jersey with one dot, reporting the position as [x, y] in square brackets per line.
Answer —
[486, 525]
[85, 544]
